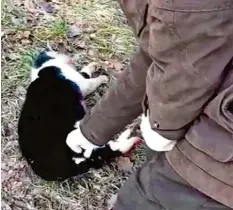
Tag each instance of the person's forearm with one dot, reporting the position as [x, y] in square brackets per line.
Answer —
[120, 105]
[122, 102]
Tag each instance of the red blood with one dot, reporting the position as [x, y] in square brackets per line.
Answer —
[70, 62]
[137, 142]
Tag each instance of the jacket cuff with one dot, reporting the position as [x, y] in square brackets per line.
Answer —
[172, 134]
[154, 140]
[89, 134]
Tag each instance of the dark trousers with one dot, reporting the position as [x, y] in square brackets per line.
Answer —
[157, 186]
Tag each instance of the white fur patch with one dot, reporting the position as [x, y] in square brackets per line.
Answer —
[34, 74]
[62, 62]
[154, 140]
[78, 160]
[123, 142]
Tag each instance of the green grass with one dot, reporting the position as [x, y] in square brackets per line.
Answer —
[111, 37]
[85, 9]
[18, 72]
[6, 9]
[12, 17]
[26, 60]
[59, 28]
[113, 41]
[22, 65]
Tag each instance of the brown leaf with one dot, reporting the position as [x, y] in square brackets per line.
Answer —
[4, 176]
[26, 34]
[79, 44]
[23, 35]
[29, 6]
[47, 7]
[25, 41]
[125, 164]
[92, 36]
[73, 31]
[115, 64]
[91, 52]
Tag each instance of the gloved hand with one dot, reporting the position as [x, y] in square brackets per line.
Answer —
[77, 142]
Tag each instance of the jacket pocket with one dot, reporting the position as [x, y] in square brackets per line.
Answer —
[136, 14]
[209, 137]
[218, 109]
[212, 133]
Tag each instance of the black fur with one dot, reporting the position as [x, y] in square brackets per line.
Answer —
[41, 59]
[85, 75]
[52, 106]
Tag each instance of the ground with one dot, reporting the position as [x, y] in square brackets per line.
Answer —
[92, 30]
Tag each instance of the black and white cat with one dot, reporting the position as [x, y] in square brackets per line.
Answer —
[54, 104]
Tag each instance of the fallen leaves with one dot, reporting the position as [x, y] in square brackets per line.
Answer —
[116, 67]
[47, 7]
[73, 31]
[26, 34]
[24, 37]
[23, 34]
[124, 164]
[79, 44]
[114, 64]
[29, 6]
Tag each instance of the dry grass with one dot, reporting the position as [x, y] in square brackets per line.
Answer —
[25, 29]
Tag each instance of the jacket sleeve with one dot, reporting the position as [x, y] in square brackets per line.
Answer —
[122, 102]
[120, 105]
[189, 53]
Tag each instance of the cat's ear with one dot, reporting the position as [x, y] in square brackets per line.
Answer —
[49, 48]
[42, 58]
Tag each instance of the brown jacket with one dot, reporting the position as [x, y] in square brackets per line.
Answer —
[185, 47]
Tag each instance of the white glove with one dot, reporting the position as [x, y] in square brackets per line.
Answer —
[153, 139]
[77, 142]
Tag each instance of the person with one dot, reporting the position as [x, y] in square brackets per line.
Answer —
[181, 81]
